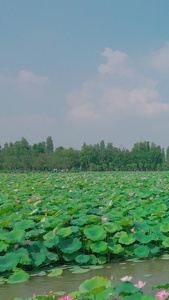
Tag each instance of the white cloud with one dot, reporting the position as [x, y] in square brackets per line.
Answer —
[29, 77]
[160, 59]
[106, 101]
[115, 63]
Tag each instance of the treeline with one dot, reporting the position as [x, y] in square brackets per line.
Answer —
[99, 157]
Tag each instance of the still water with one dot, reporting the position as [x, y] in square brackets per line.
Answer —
[155, 271]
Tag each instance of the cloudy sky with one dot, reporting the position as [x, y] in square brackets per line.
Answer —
[84, 71]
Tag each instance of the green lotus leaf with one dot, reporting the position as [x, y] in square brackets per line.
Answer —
[110, 227]
[102, 260]
[23, 256]
[116, 248]
[14, 236]
[80, 270]
[95, 233]
[70, 257]
[48, 236]
[64, 232]
[25, 224]
[49, 243]
[38, 258]
[95, 285]
[2, 280]
[142, 251]
[143, 238]
[166, 242]
[52, 256]
[8, 261]
[125, 222]
[127, 240]
[55, 272]
[164, 227]
[142, 226]
[153, 248]
[82, 258]
[120, 234]
[126, 287]
[18, 276]
[3, 246]
[99, 247]
[5, 223]
[96, 267]
[93, 259]
[69, 245]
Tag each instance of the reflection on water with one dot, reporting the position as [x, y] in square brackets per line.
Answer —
[155, 271]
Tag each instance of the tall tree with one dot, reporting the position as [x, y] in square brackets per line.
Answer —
[49, 145]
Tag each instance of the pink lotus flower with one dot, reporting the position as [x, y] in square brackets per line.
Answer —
[29, 200]
[162, 295]
[16, 246]
[104, 199]
[130, 194]
[140, 284]
[34, 296]
[157, 196]
[129, 201]
[151, 198]
[100, 207]
[37, 198]
[126, 278]
[156, 221]
[18, 201]
[132, 229]
[65, 298]
[104, 219]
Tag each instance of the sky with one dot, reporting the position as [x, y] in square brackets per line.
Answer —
[84, 71]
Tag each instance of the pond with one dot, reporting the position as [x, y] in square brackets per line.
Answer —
[155, 271]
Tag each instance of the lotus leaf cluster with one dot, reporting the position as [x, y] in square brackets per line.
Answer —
[51, 219]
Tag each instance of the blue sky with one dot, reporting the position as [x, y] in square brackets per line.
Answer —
[84, 70]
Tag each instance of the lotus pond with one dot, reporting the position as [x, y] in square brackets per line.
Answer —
[48, 220]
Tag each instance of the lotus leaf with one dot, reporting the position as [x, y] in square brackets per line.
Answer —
[69, 245]
[99, 247]
[110, 227]
[166, 242]
[64, 232]
[8, 261]
[116, 248]
[143, 238]
[95, 285]
[95, 233]
[18, 276]
[80, 270]
[23, 256]
[164, 227]
[3, 246]
[102, 260]
[142, 251]
[127, 240]
[15, 236]
[127, 287]
[55, 272]
[52, 256]
[71, 256]
[82, 258]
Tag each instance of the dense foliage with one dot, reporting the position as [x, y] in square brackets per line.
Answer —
[49, 219]
[100, 157]
[100, 288]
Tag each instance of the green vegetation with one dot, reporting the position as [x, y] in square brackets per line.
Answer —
[88, 218]
[100, 157]
[100, 288]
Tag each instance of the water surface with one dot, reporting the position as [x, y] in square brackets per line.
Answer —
[155, 271]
